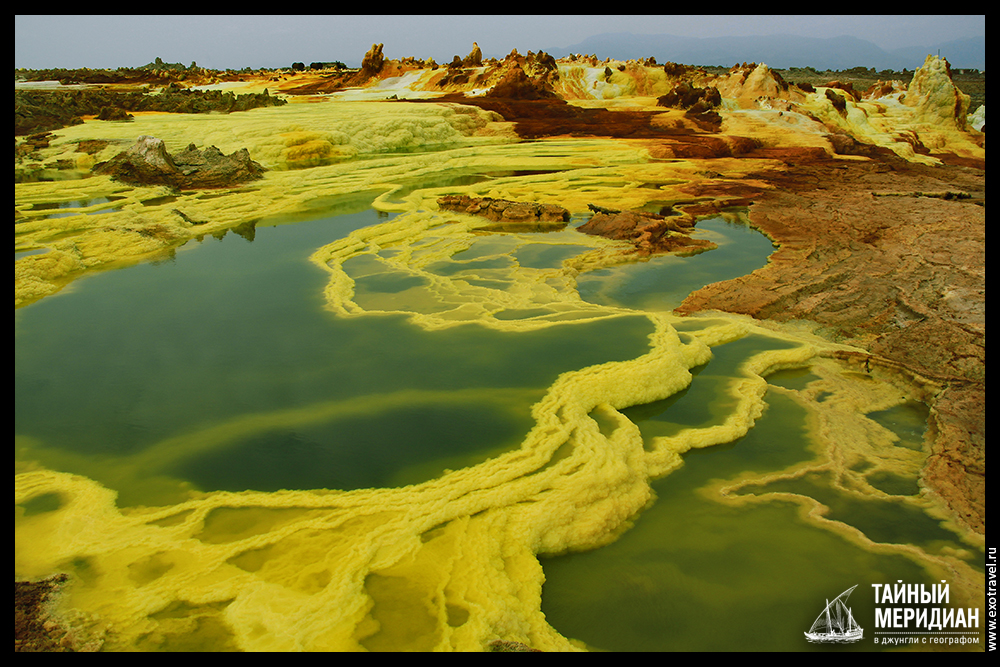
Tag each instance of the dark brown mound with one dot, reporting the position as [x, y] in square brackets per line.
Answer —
[148, 163]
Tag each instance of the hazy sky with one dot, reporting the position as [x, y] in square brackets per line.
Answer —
[238, 41]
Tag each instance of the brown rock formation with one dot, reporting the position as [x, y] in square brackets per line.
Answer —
[837, 100]
[517, 85]
[36, 630]
[685, 96]
[503, 210]
[372, 63]
[542, 61]
[678, 70]
[475, 57]
[114, 113]
[148, 163]
[847, 88]
[209, 168]
[649, 232]
[699, 102]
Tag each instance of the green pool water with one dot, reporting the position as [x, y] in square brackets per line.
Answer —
[662, 283]
[695, 574]
[127, 359]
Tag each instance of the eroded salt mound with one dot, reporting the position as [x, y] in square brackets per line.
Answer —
[933, 96]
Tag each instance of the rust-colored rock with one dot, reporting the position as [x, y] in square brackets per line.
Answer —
[36, 628]
[649, 232]
[504, 210]
[883, 88]
[847, 88]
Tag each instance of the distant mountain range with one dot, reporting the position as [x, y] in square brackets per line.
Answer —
[778, 51]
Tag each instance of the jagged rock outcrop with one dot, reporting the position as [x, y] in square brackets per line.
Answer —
[837, 100]
[677, 70]
[475, 57]
[517, 85]
[847, 88]
[754, 86]
[504, 210]
[114, 113]
[699, 102]
[542, 61]
[373, 61]
[147, 162]
[649, 232]
[209, 168]
[686, 96]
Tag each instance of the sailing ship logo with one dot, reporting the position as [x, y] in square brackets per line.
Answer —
[836, 624]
